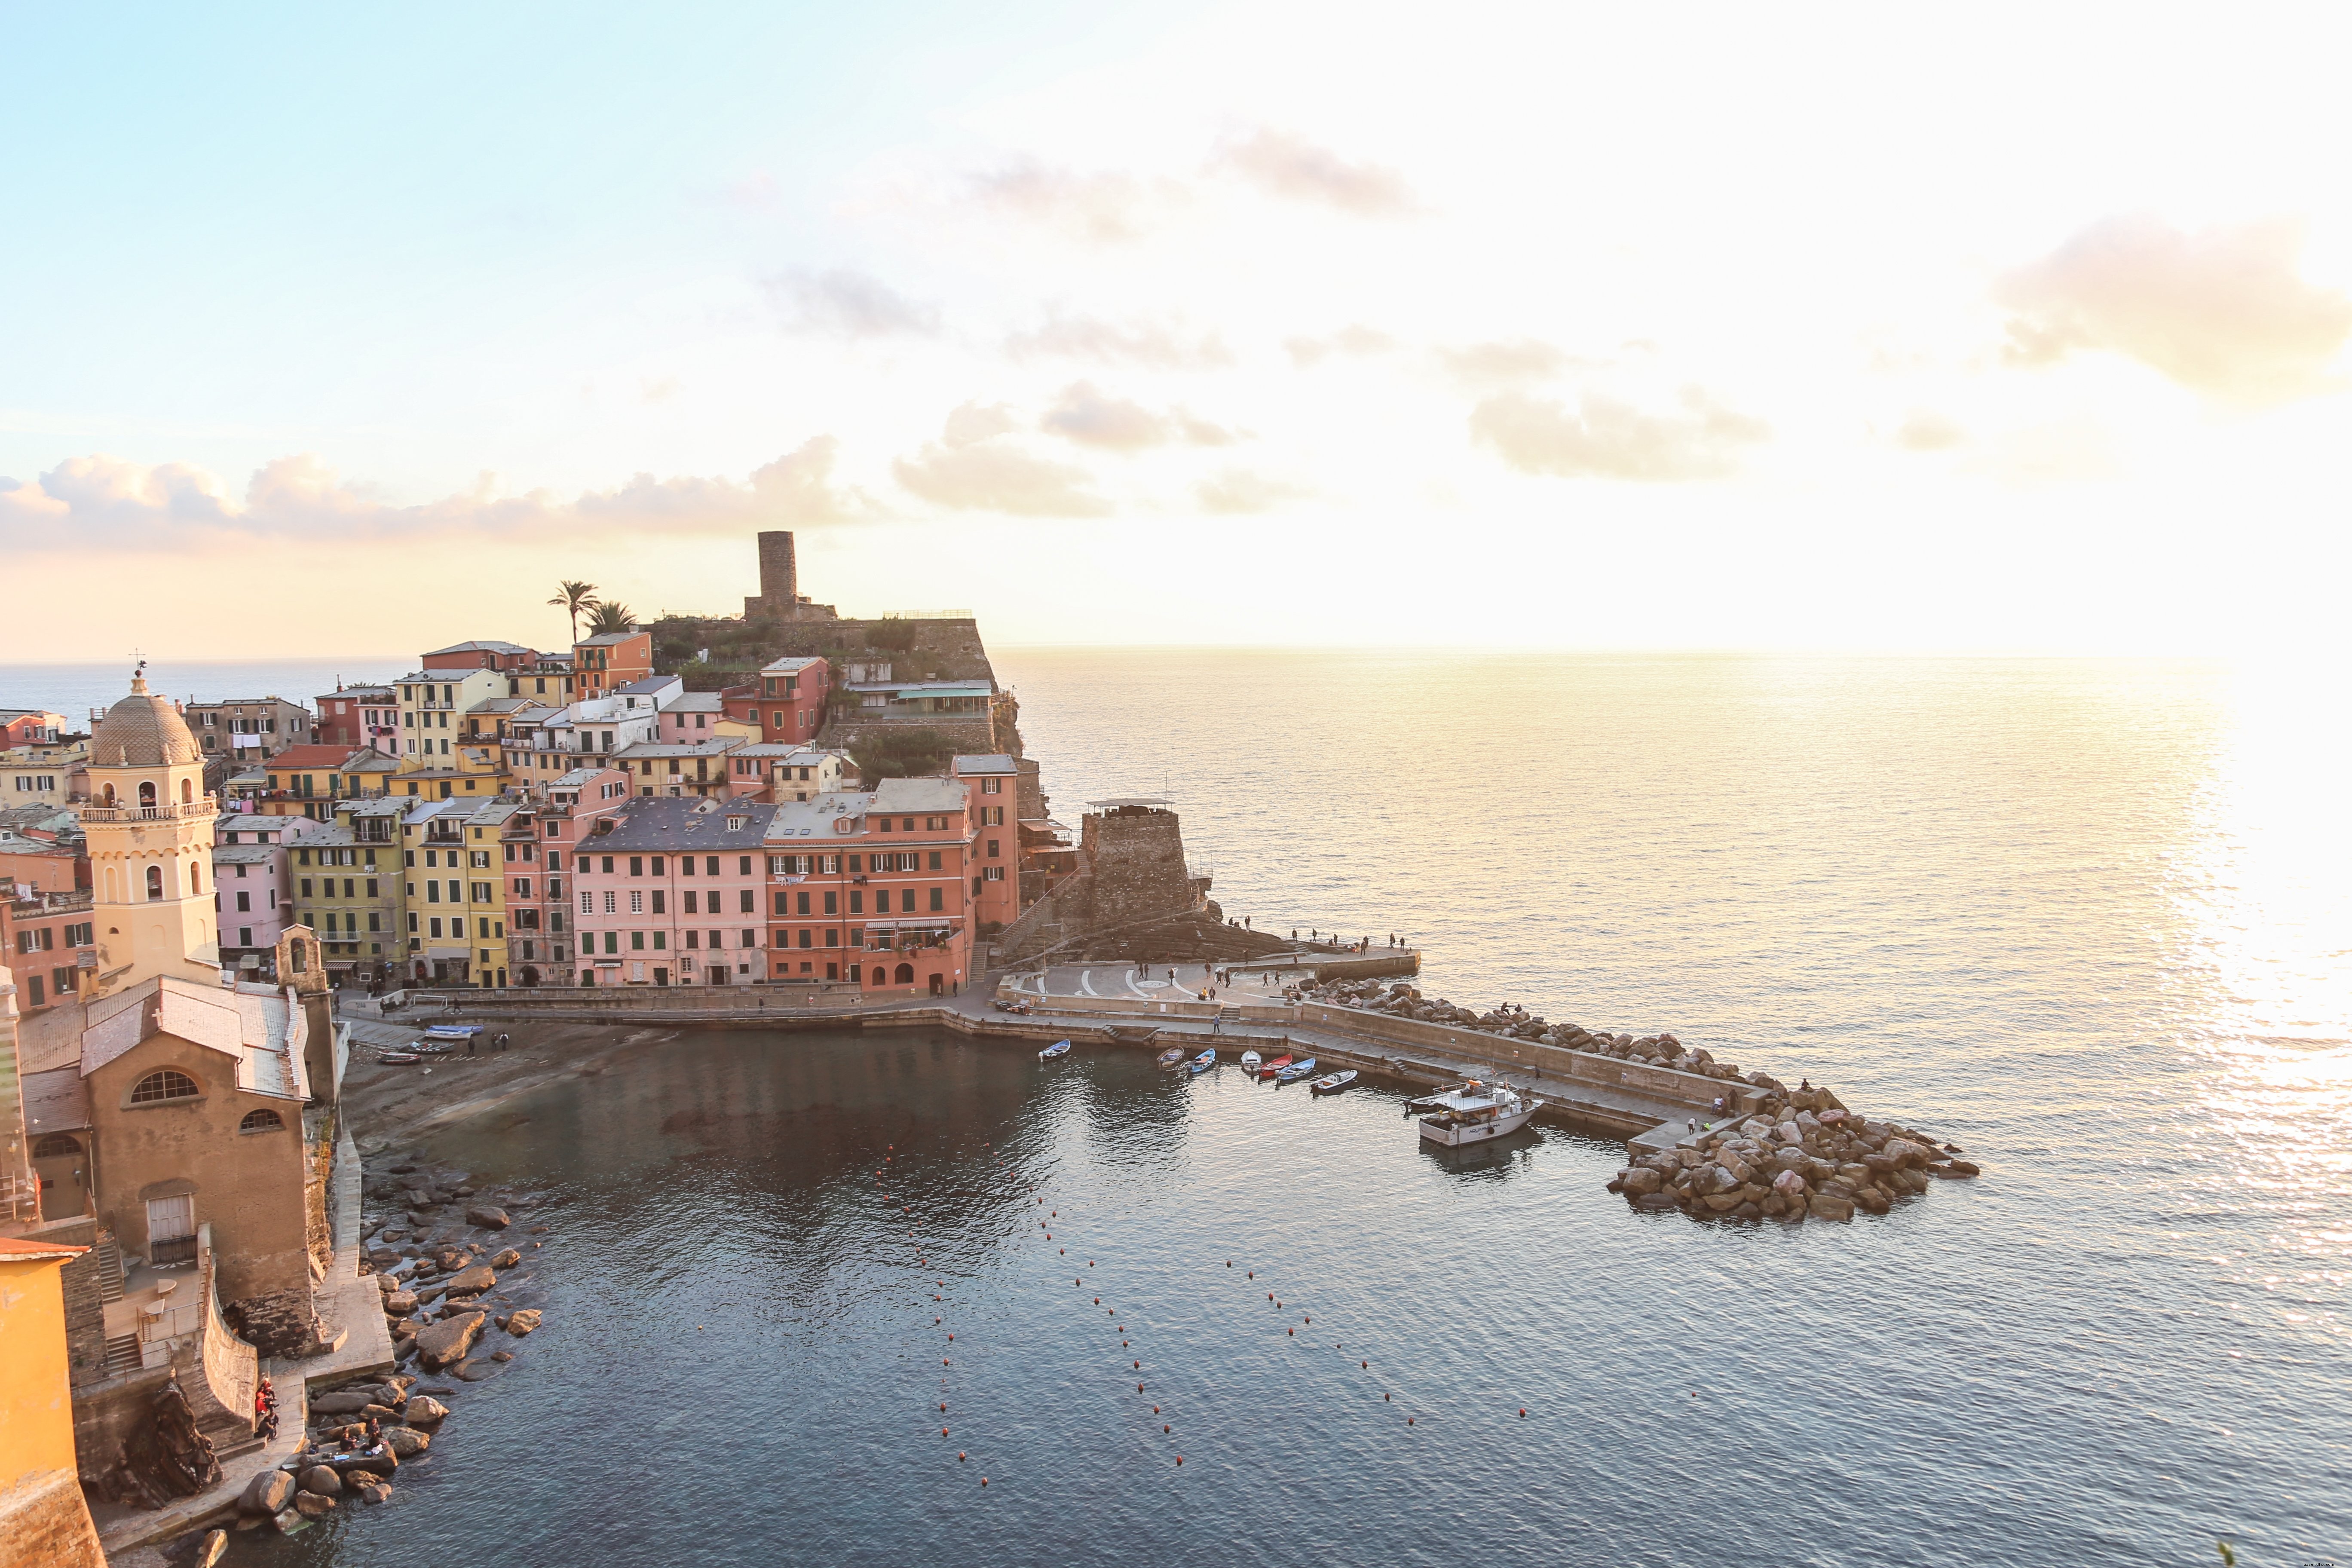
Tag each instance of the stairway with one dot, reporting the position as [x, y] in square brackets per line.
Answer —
[110, 1270]
[122, 1354]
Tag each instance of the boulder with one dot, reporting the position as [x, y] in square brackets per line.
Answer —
[448, 1340]
[1656, 1202]
[1638, 1183]
[1749, 1210]
[322, 1479]
[1828, 1205]
[405, 1441]
[473, 1282]
[488, 1218]
[314, 1505]
[471, 1370]
[266, 1492]
[1873, 1200]
[287, 1520]
[343, 1402]
[399, 1303]
[373, 1492]
[1790, 1185]
[1957, 1168]
[424, 1410]
[503, 1355]
[1724, 1203]
[506, 1259]
[206, 1550]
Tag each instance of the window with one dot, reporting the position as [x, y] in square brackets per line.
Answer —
[804, 902]
[857, 902]
[742, 865]
[935, 859]
[481, 857]
[806, 936]
[991, 850]
[636, 902]
[659, 902]
[637, 941]
[154, 881]
[991, 786]
[587, 903]
[166, 1083]
[306, 887]
[263, 1121]
[938, 899]
[993, 874]
[832, 903]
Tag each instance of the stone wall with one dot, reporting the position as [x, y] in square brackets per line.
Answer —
[85, 1296]
[45, 1523]
[1136, 855]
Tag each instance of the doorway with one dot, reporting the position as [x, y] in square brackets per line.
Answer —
[172, 1230]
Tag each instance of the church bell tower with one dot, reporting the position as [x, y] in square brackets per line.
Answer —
[149, 825]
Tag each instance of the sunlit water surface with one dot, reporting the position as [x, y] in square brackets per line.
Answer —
[2089, 920]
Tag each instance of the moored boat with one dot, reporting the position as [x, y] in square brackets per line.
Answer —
[1345, 1078]
[1172, 1057]
[1250, 1062]
[1275, 1065]
[453, 1031]
[1203, 1062]
[1422, 1104]
[1058, 1048]
[1478, 1113]
[1304, 1068]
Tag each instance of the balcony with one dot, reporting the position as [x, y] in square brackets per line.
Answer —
[207, 808]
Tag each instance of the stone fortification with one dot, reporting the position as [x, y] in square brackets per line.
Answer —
[1132, 896]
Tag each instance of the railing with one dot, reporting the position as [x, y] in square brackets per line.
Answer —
[208, 805]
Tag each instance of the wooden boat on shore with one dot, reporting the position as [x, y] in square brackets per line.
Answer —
[399, 1058]
[1250, 1062]
[1302, 1069]
[1203, 1062]
[1335, 1083]
[1058, 1048]
[1173, 1057]
[1275, 1065]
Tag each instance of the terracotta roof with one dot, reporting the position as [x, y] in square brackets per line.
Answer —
[20, 1249]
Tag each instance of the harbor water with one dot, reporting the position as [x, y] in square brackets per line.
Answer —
[2090, 919]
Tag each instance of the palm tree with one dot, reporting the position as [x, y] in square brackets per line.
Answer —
[609, 616]
[572, 598]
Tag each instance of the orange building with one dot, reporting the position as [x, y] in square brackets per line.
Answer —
[610, 660]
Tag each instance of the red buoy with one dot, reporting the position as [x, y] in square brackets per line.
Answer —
[1180, 1458]
[1139, 1388]
[1292, 1332]
[958, 1457]
[1523, 1410]
[1366, 1365]
[1139, 1366]
[1408, 1420]
[943, 1431]
[984, 1480]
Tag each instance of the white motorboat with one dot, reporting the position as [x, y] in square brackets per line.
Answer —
[1250, 1062]
[1477, 1113]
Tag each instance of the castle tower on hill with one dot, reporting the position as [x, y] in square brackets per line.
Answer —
[780, 598]
[149, 823]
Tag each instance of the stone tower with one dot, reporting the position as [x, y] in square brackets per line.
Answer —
[150, 827]
[780, 585]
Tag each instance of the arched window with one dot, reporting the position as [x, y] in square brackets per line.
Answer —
[905, 975]
[147, 792]
[260, 1122]
[109, 797]
[195, 878]
[154, 881]
[56, 1146]
[165, 1083]
[187, 792]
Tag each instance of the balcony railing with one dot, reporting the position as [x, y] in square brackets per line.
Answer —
[208, 806]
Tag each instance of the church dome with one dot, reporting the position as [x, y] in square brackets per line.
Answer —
[142, 731]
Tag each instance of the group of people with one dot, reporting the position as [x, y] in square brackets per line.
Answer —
[265, 1410]
[499, 1042]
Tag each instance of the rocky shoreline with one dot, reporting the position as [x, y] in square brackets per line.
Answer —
[451, 1277]
[1799, 1153]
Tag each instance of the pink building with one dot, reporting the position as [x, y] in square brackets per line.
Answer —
[994, 784]
[787, 702]
[252, 891]
[872, 889]
[693, 717]
[671, 892]
[540, 849]
[30, 727]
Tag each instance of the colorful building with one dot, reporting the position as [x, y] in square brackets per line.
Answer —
[30, 727]
[542, 936]
[306, 781]
[44, 773]
[673, 892]
[247, 729]
[783, 772]
[44, 1519]
[512, 659]
[352, 716]
[786, 704]
[47, 938]
[432, 708]
[606, 662]
[992, 783]
[346, 888]
[690, 769]
[453, 887]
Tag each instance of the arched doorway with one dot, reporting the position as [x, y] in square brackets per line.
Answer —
[529, 974]
[904, 974]
[59, 1165]
[154, 882]
[147, 794]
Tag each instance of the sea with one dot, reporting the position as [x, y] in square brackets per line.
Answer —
[2089, 920]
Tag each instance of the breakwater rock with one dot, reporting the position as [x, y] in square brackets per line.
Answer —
[1821, 1164]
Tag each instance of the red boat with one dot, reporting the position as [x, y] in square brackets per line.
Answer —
[1269, 1068]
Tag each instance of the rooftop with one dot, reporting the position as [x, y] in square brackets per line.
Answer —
[992, 762]
[788, 666]
[507, 647]
[814, 819]
[644, 748]
[609, 639]
[901, 795]
[668, 823]
[246, 854]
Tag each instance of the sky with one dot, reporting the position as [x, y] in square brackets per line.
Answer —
[1842, 328]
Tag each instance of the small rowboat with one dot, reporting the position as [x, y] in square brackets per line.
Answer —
[1250, 1062]
[1295, 1071]
[1058, 1048]
[399, 1058]
[453, 1031]
[1275, 1065]
[1335, 1083]
[1173, 1057]
[1203, 1062]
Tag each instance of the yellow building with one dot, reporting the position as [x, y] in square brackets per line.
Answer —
[42, 773]
[454, 883]
[44, 1522]
[432, 703]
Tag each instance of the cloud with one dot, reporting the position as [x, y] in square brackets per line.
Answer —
[101, 502]
[1297, 170]
[973, 422]
[848, 303]
[2222, 311]
[1102, 207]
[1238, 492]
[659, 390]
[1923, 430]
[1086, 416]
[1157, 345]
[1499, 364]
[1604, 438]
[1354, 341]
[974, 468]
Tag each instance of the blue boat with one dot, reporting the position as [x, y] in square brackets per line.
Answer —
[453, 1031]
[1058, 1048]
[1296, 1070]
[1203, 1062]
